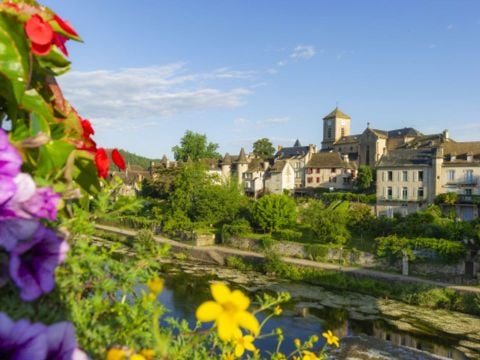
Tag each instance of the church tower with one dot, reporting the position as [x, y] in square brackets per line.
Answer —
[335, 126]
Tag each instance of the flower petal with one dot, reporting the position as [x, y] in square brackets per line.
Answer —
[240, 300]
[208, 311]
[220, 292]
[247, 321]
[226, 327]
[239, 350]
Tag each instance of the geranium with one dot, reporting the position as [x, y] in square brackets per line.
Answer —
[118, 159]
[33, 262]
[87, 128]
[229, 311]
[102, 162]
[40, 34]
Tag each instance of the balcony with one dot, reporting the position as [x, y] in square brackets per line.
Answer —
[466, 181]
[468, 199]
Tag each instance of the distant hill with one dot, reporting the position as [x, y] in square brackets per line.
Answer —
[134, 159]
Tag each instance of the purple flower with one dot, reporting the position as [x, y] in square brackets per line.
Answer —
[43, 204]
[61, 341]
[13, 231]
[33, 263]
[7, 189]
[21, 340]
[3, 270]
[10, 159]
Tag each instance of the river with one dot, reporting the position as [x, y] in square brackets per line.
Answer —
[369, 328]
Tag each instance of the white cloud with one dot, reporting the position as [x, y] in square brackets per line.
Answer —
[272, 121]
[141, 95]
[303, 52]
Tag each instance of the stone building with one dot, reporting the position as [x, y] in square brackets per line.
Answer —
[298, 156]
[280, 176]
[329, 170]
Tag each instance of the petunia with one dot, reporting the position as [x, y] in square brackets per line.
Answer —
[13, 231]
[33, 263]
[229, 311]
[22, 340]
[118, 159]
[10, 159]
[61, 341]
[7, 190]
[102, 162]
[43, 204]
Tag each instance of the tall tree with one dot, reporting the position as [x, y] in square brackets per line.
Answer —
[364, 177]
[194, 146]
[263, 148]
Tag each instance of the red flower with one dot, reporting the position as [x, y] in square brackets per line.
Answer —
[40, 34]
[87, 128]
[102, 162]
[59, 41]
[118, 159]
[65, 25]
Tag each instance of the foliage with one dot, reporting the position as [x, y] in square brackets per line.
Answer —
[237, 227]
[134, 159]
[162, 184]
[392, 247]
[364, 177]
[194, 146]
[287, 234]
[273, 212]
[329, 226]
[449, 198]
[263, 149]
[329, 197]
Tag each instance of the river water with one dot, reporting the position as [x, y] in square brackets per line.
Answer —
[386, 329]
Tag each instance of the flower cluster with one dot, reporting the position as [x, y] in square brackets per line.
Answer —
[23, 340]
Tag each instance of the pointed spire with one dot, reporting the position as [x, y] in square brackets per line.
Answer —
[337, 113]
[227, 159]
[242, 158]
[164, 159]
[297, 143]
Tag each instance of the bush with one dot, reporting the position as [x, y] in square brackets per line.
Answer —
[287, 234]
[238, 227]
[317, 252]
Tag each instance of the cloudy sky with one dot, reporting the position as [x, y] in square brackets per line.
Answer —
[240, 70]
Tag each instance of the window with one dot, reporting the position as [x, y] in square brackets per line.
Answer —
[405, 175]
[420, 193]
[405, 193]
[451, 175]
[469, 175]
[383, 175]
[310, 171]
[420, 175]
[390, 175]
[342, 131]
[318, 171]
[334, 170]
[309, 180]
[329, 132]
[468, 192]
[389, 193]
[318, 180]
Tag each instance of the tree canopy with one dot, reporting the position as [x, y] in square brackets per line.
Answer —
[194, 146]
[263, 148]
[364, 177]
[273, 212]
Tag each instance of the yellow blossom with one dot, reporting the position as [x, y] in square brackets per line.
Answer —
[297, 342]
[277, 311]
[147, 353]
[137, 357]
[228, 356]
[331, 339]
[116, 354]
[242, 343]
[229, 311]
[155, 285]
[314, 338]
[308, 355]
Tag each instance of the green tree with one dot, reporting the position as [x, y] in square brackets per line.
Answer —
[364, 177]
[195, 146]
[263, 148]
[273, 212]
[329, 226]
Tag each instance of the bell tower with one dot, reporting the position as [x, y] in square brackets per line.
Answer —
[335, 126]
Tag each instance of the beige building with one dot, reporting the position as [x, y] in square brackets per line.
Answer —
[329, 170]
[279, 177]
[298, 156]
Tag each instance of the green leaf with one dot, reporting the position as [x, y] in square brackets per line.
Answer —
[53, 157]
[55, 62]
[85, 174]
[41, 111]
[38, 124]
[14, 55]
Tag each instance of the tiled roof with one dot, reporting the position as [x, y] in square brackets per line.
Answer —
[337, 113]
[407, 157]
[347, 139]
[460, 148]
[426, 141]
[289, 152]
[227, 159]
[407, 131]
[297, 143]
[278, 166]
[328, 160]
[255, 165]
[242, 158]
[380, 133]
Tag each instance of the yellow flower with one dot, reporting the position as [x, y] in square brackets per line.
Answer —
[137, 357]
[155, 285]
[277, 311]
[228, 356]
[308, 355]
[331, 339]
[116, 354]
[147, 353]
[297, 343]
[242, 343]
[229, 311]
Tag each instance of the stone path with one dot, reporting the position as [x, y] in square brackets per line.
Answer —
[216, 252]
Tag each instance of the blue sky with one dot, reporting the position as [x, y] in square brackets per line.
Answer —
[241, 70]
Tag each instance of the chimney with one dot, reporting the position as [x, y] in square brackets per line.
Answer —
[279, 147]
[345, 158]
[265, 165]
[469, 156]
[453, 156]
[445, 134]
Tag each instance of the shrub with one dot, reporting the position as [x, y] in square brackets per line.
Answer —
[288, 235]
[236, 228]
[317, 252]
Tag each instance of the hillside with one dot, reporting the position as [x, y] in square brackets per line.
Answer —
[134, 159]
